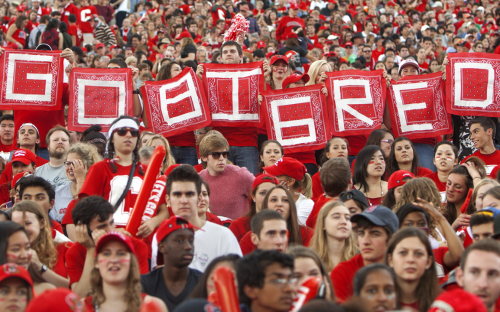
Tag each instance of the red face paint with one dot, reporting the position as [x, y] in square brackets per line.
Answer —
[2, 299]
[450, 158]
[124, 260]
[103, 261]
[382, 162]
[12, 256]
[459, 192]
[371, 162]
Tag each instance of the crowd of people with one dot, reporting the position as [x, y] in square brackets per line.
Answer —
[379, 222]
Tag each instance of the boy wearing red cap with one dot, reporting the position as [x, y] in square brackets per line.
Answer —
[287, 23]
[212, 240]
[17, 287]
[230, 185]
[175, 280]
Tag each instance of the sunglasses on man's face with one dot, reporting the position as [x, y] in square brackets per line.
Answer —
[123, 131]
[216, 155]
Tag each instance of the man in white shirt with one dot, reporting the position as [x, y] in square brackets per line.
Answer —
[212, 240]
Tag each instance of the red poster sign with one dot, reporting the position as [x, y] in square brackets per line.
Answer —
[176, 105]
[297, 118]
[417, 108]
[473, 84]
[356, 101]
[97, 97]
[31, 80]
[232, 93]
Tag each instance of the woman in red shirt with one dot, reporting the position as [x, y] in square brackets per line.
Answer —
[108, 178]
[16, 36]
[45, 250]
[404, 157]
[116, 275]
[445, 158]
[368, 172]
[410, 255]
[261, 185]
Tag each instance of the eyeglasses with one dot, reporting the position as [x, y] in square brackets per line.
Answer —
[281, 282]
[387, 141]
[68, 163]
[367, 51]
[216, 155]
[123, 131]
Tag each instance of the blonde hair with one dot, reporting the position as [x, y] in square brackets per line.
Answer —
[169, 159]
[303, 186]
[133, 293]
[319, 242]
[314, 71]
[87, 153]
[43, 245]
[426, 189]
[211, 142]
[130, 59]
[472, 204]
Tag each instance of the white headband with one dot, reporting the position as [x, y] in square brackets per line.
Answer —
[28, 124]
[123, 123]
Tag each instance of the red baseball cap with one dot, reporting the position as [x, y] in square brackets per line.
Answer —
[294, 78]
[293, 6]
[170, 168]
[331, 54]
[56, 300]
[18, 177]
[287, 166]
[13, 270]
[396, 179]
[348, 43]
[197, 40]
[276, 58]
[261, 44]
[291, 35]
[20, 8]
[390, 3]
[99, 45]
[184, 34]
[263, 178]
[457, 300]
[173, 224]
[23, 155]
[114, 236]
[114, 46]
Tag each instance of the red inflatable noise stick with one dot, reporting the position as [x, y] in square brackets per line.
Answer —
[226, 296]
[144, 193]
[150, 306]
[307, 291]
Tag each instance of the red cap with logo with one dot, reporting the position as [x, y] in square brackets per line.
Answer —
[13, 270]
[184, 34]
[457, 300]
[294, 78]
[99, 45]
[23, 155]
[261, 44]
[173, 224]
[264, 178]
[293, 6]
[287, 166]
[115, 236]
[18, 177]
[291, 35]
[396, 179]
[56, 300]
[276, 58]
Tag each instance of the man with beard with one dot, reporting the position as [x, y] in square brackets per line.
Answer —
[58, 140]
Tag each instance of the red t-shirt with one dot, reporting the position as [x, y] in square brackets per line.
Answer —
[442, 269]
[85, 15]
[313, 216]
[376, 53]
[236, 136]
[308, 157]
[240, 227]
[8, 148]
[70, 9]
[73, 31]
[356, 143]
[434, 177]
[490, 160]
[247, 246]
[68, 219]
[342, 276]
[286, 24]
[101, 181]
[182, 139]
[56, 226]
[422, 172]
[317, 188]
[60, 266]
[75, 259]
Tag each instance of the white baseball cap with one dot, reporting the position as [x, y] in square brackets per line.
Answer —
[406, 63]
[424, 28]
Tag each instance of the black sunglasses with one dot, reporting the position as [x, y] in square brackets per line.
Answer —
[123, 131]
[216, 155]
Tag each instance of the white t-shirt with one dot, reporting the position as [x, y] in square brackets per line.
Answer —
[304, 207]
[62, 200]
[213, 241]
[210, 242]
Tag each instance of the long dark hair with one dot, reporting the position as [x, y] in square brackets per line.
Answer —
[360, 278]
[362, 161]
[261, 152]
[377, 135]
[7, 229]
[392, 163]
[428, 286]
[292, 223]
[200, 291]
[165, 71]
[111, 147]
